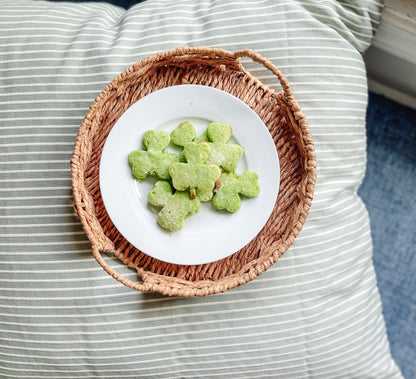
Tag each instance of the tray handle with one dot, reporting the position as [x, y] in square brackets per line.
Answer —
[288, 93]
[96, 251]
[297, 117]
[256, 57]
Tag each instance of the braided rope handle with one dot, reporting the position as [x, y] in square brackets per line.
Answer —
[256, 57]
[101, 243]
[127, 282]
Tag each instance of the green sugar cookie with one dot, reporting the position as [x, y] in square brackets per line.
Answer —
[218, 135]
[183, 134]
[195, 174]
[203, 170]
[223, 154]
[227, 196]
[175, 206]
[152, 160]
[219, 132]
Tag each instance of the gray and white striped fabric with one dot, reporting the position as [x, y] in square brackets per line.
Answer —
[315, 314]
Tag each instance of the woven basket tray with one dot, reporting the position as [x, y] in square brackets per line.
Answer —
[281, 114]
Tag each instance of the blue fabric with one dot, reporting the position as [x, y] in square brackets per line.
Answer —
[389, 192]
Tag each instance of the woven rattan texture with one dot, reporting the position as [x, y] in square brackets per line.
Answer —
[283, 118]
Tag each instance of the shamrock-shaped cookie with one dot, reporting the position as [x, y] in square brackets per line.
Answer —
[217, 135]
[223, 154]
[182, 135]
[175, 207]
[152, 160]
[195, 175]
[227, 196]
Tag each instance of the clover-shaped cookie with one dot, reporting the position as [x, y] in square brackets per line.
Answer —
[182, 135]
[175, 206]
[227, 196]
[223, 154]
[217, 135]
[152, 160]
[195, 175]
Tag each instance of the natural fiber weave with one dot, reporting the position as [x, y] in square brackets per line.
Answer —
[281, 114]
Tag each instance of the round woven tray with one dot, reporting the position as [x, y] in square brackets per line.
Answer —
[287, 125]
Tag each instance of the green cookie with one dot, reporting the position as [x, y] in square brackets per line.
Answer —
[183, 134]
[218, 135]
[152, 160]
[223, 154]
[227, 196]
[175, 207]
[195, 175]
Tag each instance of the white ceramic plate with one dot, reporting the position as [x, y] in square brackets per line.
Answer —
[209, 235]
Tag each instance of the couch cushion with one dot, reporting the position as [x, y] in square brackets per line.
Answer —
[315, 313]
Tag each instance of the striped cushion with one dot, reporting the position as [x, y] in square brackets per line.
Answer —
[316, 313]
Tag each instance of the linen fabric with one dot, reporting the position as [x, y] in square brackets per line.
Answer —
[315, 314]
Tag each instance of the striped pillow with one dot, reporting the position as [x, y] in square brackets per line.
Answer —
[316, 313]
